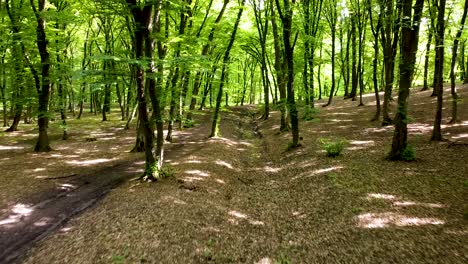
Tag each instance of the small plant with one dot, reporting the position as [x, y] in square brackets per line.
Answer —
[167, 171]
[408, 154]
[309, 113]
[333, 147]
[188, 123]
[283, 259]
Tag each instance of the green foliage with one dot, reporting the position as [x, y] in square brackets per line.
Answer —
[408, 154]
[333, 147]
[118, 259]
[152, 170]
[188, 123]
[283, 259]
[309, 113]
[167, 171]
[465, 184]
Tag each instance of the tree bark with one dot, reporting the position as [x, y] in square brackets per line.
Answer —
[408, 47]
[453, 88]
[215, 123]
[42, 144]
[439, 66]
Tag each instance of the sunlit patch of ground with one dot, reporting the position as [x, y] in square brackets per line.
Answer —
[25, 173]
[248, 200]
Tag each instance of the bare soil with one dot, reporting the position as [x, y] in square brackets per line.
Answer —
[242, 198]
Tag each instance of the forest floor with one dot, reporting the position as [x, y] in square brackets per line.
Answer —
[242, 198]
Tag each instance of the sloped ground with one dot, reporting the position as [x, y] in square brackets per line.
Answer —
[243, 199]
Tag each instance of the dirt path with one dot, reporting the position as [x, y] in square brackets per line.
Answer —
[46, 212]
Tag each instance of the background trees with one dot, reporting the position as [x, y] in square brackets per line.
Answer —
[165, 57]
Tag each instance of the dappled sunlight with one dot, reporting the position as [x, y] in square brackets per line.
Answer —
[381, 196]
[271, 169]
[241, 216]
[317, 172]
[224, 164]
[381, 220]
[299, 215]
[341, 120]
[362, 142]
[3, 147]
[411, 203]
[88, 162]
[230, 142]
[460, 136]
[397, 201]
[198, 173]
[175, 200]
[43, 221]
[419, 128]
[378, 129]
[265, 261]
[18, 213]
[237, 214]
[341, 114]
[66, 186]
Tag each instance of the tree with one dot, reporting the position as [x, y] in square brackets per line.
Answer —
[375, 27]
[215, 123]
[456, 41]
[42, 143]
[280, 68]
[331, 15]
[389, 38]
[409, 42]
[312, 10]
[439, 69]
[286, 16]
[261, 22]
[144, 17]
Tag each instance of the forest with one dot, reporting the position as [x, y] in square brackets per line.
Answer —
[233, 131]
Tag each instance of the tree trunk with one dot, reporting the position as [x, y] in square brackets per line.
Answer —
[215, 123]
[42, 144]
[280, 73]
[453, 88]
[286, 17]
[354, 70]
[439, 66]
[426, 58]
[409, 44]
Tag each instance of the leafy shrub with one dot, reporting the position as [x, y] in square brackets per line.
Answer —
[332, 147]
[188, 123]
[408, 154]
[167, 171]
[309, 113]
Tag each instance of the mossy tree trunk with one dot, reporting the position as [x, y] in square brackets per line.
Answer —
[408, 48]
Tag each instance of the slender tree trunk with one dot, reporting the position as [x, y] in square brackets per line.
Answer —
[453, 88]
[280, 73]
[286, 17]
[205, 51]
[439, 66]
[426, 58]
[333, 86]
[354, 69]
[215, 124]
